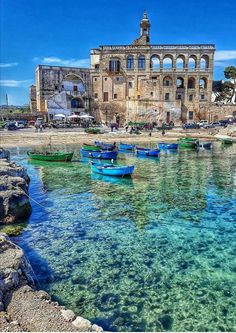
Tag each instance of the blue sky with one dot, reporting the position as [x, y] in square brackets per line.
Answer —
[63, 32]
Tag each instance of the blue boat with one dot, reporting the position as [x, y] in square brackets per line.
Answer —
[126, 146]
[105, 146]
[204, 145]
[148, 152]
[165, 145]
[112, 170]
[102, 154]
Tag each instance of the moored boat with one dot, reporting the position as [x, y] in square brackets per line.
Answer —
[91, 147]
[105, 146]
[51, 156]
[112, 170]
[126, 146]
[102, 154]
[187, 142]
[204, 145]
[148, 152]
[226, 141]
[165, 145]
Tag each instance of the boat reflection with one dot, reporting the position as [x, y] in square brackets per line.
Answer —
[127, 181]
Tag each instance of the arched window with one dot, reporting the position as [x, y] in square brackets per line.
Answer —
[180, 62]
[141, 62]
[204, 64]
[203, 83]
[180, 82]
[130, 62]
[155, 62]
[191, 83]
[167, 81]
[77, 103]
[192, 62]
[114, 65]
[167, 63]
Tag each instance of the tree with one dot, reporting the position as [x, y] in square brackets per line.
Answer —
[223, 91]
[110, 110]
[230, 73]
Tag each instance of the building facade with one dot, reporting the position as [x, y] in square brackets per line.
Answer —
[158, 82]
[144, 82]
[33, 102]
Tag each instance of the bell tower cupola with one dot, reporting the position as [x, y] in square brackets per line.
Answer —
[145, 27]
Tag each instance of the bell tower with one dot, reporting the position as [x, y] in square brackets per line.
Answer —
[145, 27]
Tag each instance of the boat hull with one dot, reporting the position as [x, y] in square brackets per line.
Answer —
[112, 170]
[59, 157]
[106, 155]
[151, 152]
[124, 146]
[205, 145]
[163, 145]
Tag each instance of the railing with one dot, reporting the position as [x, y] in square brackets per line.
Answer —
[160, 47]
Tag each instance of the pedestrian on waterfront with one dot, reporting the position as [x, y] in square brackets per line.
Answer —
[126, 128]
[150, 134]
[41, 127]
[163, 132]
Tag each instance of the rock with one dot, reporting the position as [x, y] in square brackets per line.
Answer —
[96, 328]
[82, 325]
[43, 295]
[4, 154]
[68, 315]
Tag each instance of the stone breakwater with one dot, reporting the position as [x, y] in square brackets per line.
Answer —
[25, 309]
[14, 199]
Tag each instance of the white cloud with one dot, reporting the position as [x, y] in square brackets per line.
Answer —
[225, 55]
[63, 62]
[10, 64]
[15, 83]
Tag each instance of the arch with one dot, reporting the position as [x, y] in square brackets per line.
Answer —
[141, 62]
[72, 77]
[77, 103]
[191, 83]
[167, 81]
[180, 62]
[155, 62]
[73, 82]
[203, 83]
[130, 62]
[114, 65]
[180, 82]
[167, 62]
[192, 62]
[204, 62]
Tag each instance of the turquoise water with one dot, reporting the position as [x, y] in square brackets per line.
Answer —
[152, 253]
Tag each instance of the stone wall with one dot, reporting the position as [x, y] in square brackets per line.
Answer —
[219, 111]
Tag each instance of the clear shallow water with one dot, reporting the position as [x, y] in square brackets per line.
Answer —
[152, 253]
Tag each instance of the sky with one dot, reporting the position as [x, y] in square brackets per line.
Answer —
[59, 32]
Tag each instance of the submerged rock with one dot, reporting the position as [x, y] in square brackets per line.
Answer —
[14, 200]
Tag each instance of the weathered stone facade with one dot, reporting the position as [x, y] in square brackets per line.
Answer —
[219, 111]
[159, 82]
[33, 102]
[73, 83]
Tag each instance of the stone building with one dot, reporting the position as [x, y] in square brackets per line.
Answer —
[33, 102]
[62, 90]
[160, 83]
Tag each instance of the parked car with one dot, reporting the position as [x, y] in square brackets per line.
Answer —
[191, 126]
[19, 124]
[209, 126]
[217, 123]
[202, 122]
[12, 127]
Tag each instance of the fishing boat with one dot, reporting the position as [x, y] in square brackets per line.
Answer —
[164, 145]
[112, 170]
[148, 152]
[126, 146]
[102, 154]
[104, 144]
[87, 146]
[51, 156]
[187, 142]
[226, 141]
[99, 147]
[204, 145]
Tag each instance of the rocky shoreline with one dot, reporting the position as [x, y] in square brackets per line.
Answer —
[25, 309]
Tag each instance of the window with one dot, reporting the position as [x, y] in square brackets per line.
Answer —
[56, 87]
[75, 88]
[179, 96]
[130, 84]
[96, 95]
[117, 79]
[141, 62]
[138, 96]
[154, 84]
[62, 86]
[95, 79]
[155, 63]
[130, 62]
[191, 83]
[190, 115]
[115, 96]
[167, 63]
[114, 65]
[105, 97]
[167, 96]
[202, 96]
[190, 98]
[151, 93]
[167, 83]
[97, 66]
[105, 79]
[192, 62]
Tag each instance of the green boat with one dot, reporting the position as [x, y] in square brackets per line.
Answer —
[91, 147]
[187, 142]
[51, 156]
[227, 141]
